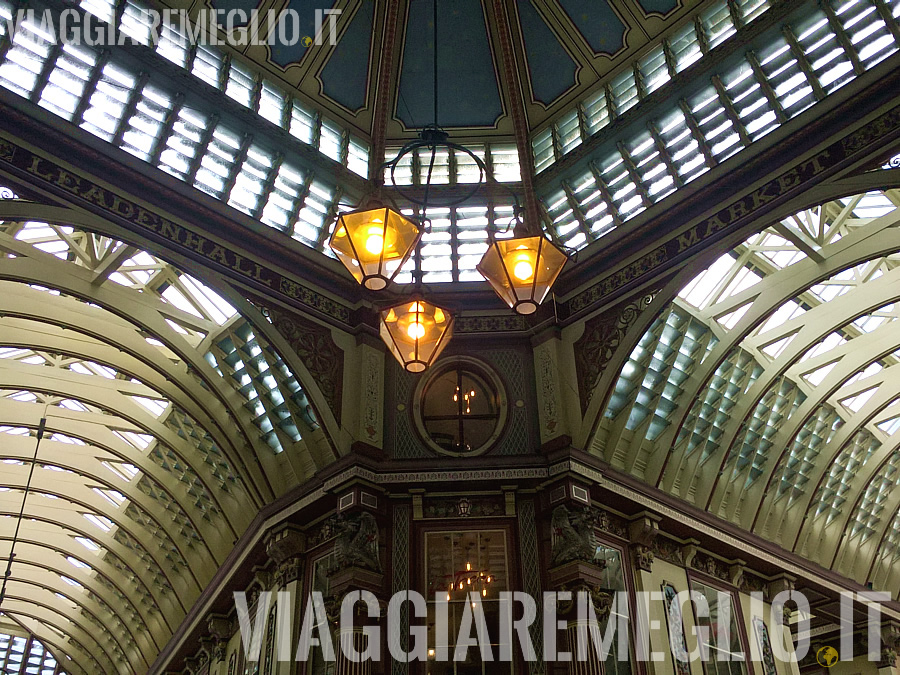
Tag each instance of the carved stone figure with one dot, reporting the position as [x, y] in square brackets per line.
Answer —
[357, 543]
[573, 537]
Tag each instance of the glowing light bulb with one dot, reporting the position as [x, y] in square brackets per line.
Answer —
[468, 565]
[523, 270]
[483, 592]
[448, 597]
[460, 585]
[375, 243]
[415, 330]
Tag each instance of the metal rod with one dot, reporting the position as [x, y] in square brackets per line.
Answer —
[12, 547]
[434, 19]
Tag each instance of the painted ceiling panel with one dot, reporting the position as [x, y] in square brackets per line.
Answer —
[295, 30]
[468, 90]
[234, 5]
[551, 69]
[599, 24]
[345, 76]
[658, 6]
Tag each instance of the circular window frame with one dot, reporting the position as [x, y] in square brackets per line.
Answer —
[482, 370]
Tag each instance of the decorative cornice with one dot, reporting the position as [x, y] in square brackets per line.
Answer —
[317, 349]
[601, 338]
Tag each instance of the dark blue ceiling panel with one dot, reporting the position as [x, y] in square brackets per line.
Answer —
[658, 6]
[551, 69]
[345, 76]
[599, 24]
[469, 95]
[296, 29]
[233, 5]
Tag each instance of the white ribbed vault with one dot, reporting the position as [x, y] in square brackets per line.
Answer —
[768, 390]
[171, 421]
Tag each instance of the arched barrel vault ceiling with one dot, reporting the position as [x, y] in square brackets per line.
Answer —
[17, 641]
[171, 420]
[767, 391]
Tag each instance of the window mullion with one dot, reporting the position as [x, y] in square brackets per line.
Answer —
[268, 186]
[885, 13]
[297, 203]
[766, 87]
[329, 217]
[159, 142]
[664, 154]
[835, 23]
[606, 195]
[697, 133]
[44, 76]
[730, 112]
[576, 210]
[130, 107]
[803, 62]
[202, 148]
[235, 169]
[89, 87]
[634, 175]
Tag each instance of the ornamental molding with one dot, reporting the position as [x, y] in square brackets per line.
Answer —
[318, 351]
[602, 337]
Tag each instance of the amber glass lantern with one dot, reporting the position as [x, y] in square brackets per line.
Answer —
[416, 332]
[522, 269]
[373, 243]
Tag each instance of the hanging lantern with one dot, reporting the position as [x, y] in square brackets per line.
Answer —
[373, 243]
[521, 270]
[416, 333]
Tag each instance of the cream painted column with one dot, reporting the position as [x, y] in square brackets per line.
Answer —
[286, 546]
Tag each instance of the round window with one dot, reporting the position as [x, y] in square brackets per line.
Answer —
[461, 407]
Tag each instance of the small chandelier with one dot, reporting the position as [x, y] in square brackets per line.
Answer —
[522, 269]
[416, 333]
[374, 243]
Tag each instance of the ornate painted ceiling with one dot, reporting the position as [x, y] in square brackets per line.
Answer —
[560, 50]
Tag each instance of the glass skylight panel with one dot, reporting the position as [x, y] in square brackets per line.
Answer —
[823, 52]
[653, 70]
[890, 426]
[173, 45]
[866, 30]
[284, 199]
[102, 522]
[108, 102]
[311, 218]
[240, 85]
[25, 59]
[436, 249]
[568, 131]
[250, 182]
[330, 140]
[137, 22]
[145, 126]
[542, 145]
[466, 169]
[856, 402]
[68, 80]
[218, 160]
[624, 91]
[184, 143]
[717, 24]
[358, 157]
[303, 122]
[208, 65]
[505, 162]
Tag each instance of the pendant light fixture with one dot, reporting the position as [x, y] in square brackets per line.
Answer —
[416, 332]
[522, 270]
[374, 242]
